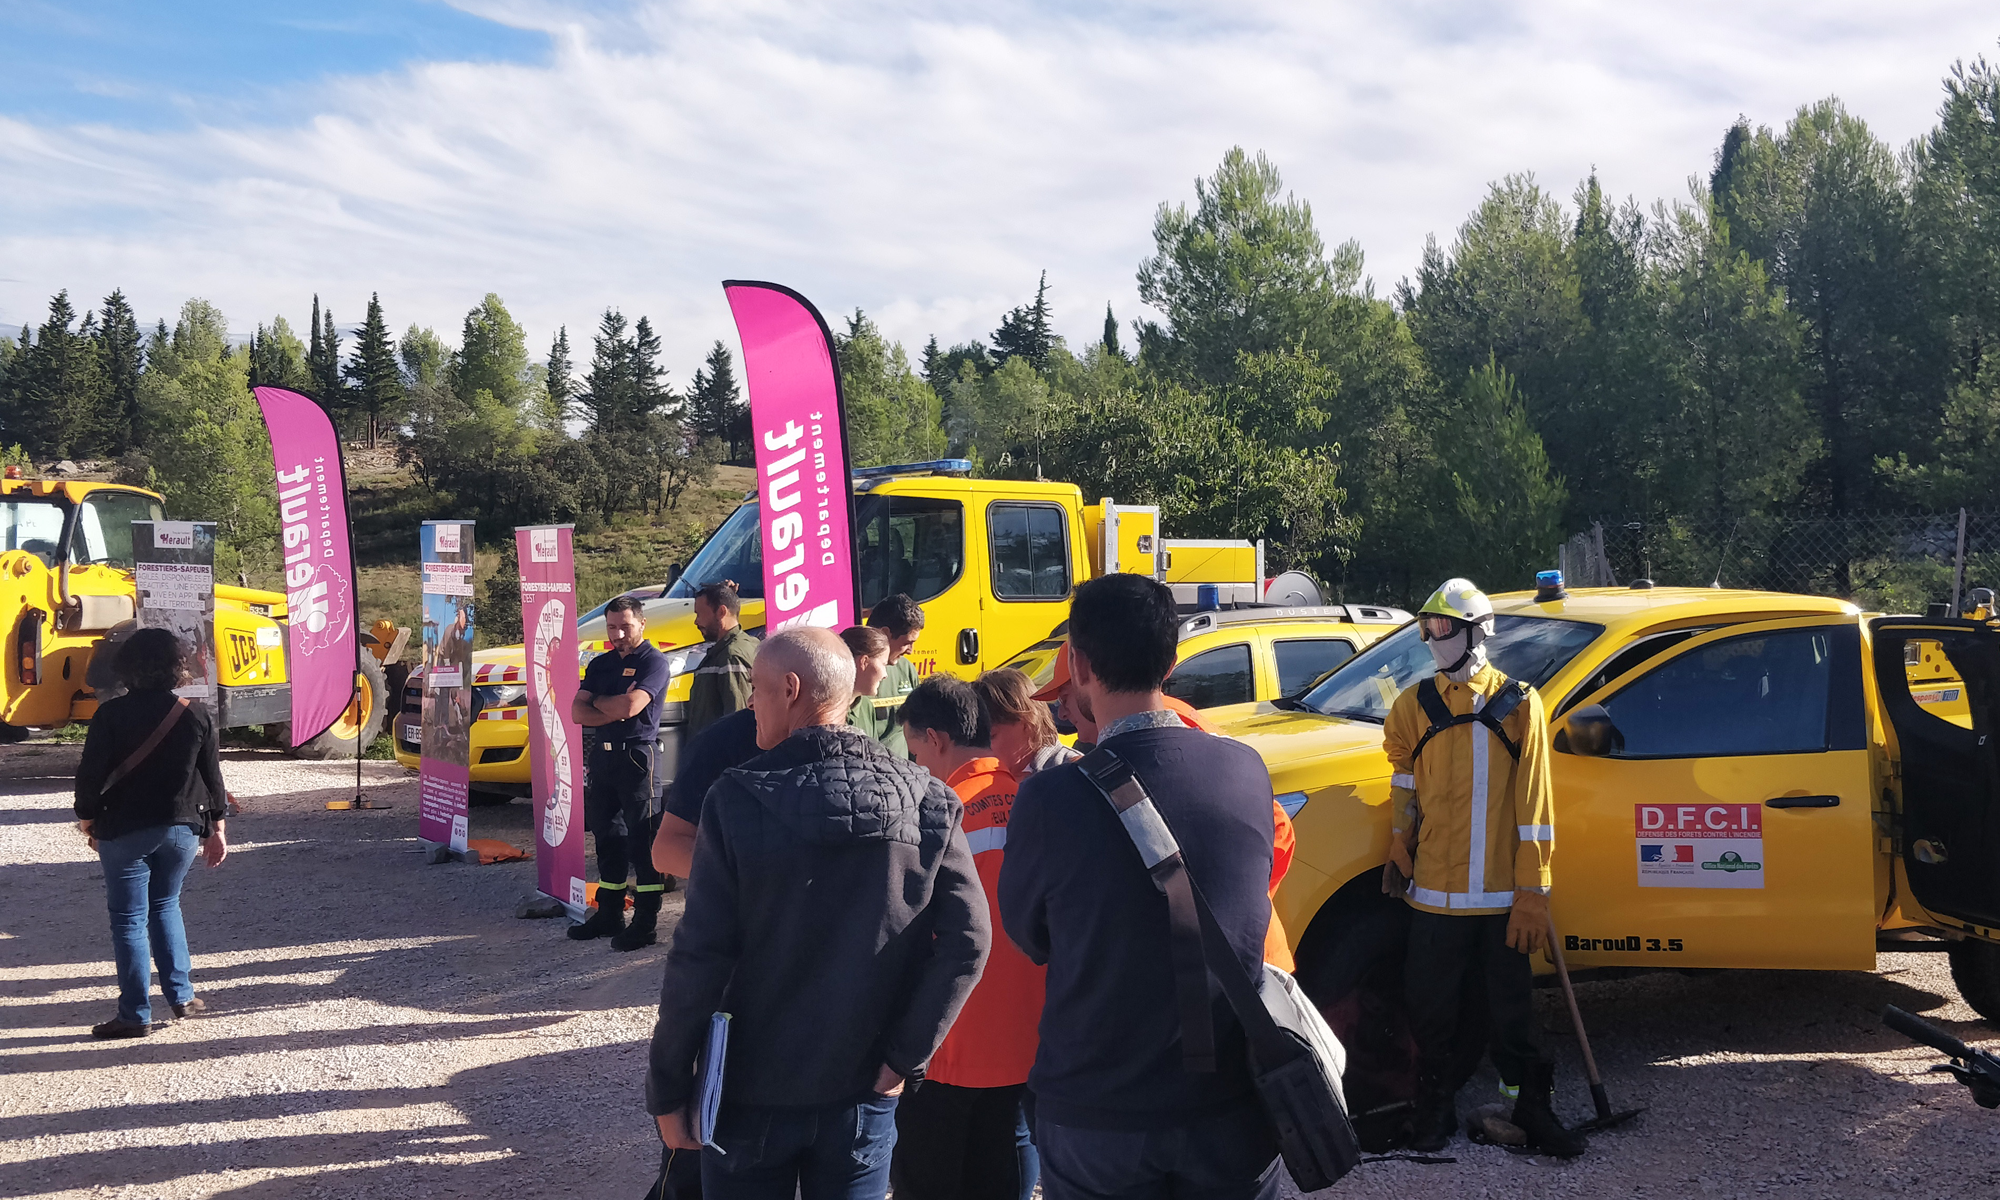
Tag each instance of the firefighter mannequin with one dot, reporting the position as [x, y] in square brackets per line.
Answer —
[1473, 832]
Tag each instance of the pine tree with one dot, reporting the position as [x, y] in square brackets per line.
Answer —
[558, 380]
[123, 359]
[323, 361]
[378, 386]
[649, 378]
[1027, 331]
[714, 405]
[932, 364]
[607, 389]
[1110, 339]
[57, 394]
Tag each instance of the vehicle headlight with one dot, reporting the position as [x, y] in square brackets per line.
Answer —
[1291, 802]
[501, 695]
[680, 662]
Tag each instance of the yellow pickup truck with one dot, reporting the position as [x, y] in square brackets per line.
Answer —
[1742, 779]
[992, 562]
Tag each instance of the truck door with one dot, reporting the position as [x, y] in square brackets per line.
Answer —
[916, 545]
[1948, 761]
[1730, 823]
[1030, 572]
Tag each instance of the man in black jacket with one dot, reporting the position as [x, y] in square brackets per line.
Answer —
[1117, 1110]
[834, 911]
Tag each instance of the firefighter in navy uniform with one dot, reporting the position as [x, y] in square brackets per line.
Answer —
[618, 706]
[1474, 829]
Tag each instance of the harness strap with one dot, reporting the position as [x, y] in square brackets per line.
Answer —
[1496, 711]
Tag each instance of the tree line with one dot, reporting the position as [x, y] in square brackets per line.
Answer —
[1814, 329]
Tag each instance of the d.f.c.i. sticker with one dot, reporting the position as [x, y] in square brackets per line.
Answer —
[1700, 845]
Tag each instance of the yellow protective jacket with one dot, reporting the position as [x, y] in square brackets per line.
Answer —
[1488, 824]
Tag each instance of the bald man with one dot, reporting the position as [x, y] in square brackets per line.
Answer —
[833, 909]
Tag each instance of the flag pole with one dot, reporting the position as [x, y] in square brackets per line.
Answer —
[360, 679]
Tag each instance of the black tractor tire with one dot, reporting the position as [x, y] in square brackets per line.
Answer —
[341, 740]
[10, 734]
[1975, 968]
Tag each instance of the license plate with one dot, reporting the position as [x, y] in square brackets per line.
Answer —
[413, 734]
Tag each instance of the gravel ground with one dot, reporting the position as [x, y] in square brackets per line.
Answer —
[385, 1028]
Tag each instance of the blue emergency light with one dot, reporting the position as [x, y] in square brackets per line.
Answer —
[1549, 586]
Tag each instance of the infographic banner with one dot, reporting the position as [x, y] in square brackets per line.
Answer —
[174, 562]
[798, 424]
[318, 561]
[555, 746]
[446, 771]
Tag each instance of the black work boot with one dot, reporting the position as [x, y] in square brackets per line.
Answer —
[1535, 1114]
[645, 915]
[1434, 1115]
[607, 921]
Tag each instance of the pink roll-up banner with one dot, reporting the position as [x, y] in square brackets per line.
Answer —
[799, 425]
[318, 561]
[444, 774]
[555, 744]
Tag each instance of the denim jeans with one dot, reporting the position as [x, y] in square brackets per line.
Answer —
[143, 871]
[1230, 1156]
[839, 1152]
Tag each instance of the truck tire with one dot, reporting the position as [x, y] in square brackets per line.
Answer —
[1975, 968]
[354, 728]
[1351, 963]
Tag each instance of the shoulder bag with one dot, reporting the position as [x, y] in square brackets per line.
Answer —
[1295, 1060]
[152, 743]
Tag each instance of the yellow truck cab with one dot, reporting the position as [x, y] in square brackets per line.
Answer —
[992, 562]
[67, 588]
[1742, 779]
[1262, 652]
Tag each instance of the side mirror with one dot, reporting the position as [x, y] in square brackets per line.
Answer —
[1592, 734]
[673, 574]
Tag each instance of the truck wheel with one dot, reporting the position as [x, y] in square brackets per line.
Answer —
[1351, 964]
[360, 723]
[1975, 968]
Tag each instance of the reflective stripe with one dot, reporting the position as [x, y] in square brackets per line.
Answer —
[1475, 863]
[1149, 832]
[1403, 779]
[993, 837]
[610, 887]
[1538, 833]
[1511, 1091]
[733, 668]
[1450, 900]
[650, 887]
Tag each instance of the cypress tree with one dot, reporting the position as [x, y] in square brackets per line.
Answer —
[323, 360]
[378, 386]
[1110, 340]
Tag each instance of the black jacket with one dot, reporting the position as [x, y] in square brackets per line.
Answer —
[834, 911]
[1075, 895]
[176, 784]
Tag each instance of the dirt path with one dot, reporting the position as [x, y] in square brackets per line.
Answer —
[389, 1029]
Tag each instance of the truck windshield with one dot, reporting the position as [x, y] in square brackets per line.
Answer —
[1531, 649]
[734, 551]
[104, 527]
[32, 525]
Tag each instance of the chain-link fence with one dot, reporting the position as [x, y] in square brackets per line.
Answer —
[1887, 562]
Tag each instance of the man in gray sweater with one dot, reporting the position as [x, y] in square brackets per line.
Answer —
[834, 911]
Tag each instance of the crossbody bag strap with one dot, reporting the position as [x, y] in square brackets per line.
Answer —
[1161, 855]
[152, 743]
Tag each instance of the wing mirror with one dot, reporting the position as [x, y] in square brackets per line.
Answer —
[1591, 732]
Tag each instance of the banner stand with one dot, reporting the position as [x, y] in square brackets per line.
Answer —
[445, 776]
[555, 743]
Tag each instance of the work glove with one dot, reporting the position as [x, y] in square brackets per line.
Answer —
[1528, 925]
[1400, 869]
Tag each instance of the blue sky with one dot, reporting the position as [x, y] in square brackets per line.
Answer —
[924, 161]
[147, 65]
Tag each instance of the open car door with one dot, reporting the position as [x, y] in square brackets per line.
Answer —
[1949, 760]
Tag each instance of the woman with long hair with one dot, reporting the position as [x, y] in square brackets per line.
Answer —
[1024, 734]
[149, 793]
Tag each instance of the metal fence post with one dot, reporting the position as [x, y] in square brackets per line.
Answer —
[1958, 565]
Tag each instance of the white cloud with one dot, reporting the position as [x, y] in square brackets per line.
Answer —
[922, 162]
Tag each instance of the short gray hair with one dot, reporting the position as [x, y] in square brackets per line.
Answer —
[823, 663]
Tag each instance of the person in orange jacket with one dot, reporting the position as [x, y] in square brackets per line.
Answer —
[1284, 840]
[962, 1133]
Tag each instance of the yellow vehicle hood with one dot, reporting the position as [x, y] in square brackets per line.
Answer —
[1304, 746]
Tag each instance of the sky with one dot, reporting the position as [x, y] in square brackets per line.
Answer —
[924, 162]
